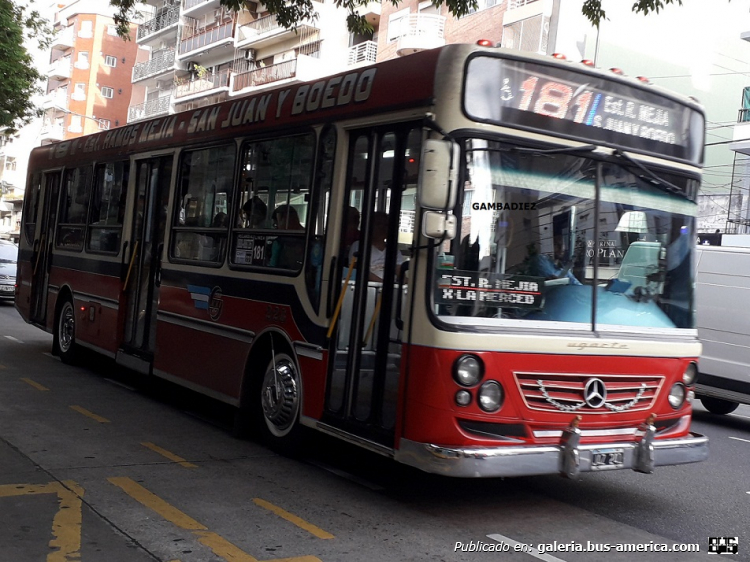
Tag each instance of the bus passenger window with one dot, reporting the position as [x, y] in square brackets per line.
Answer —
[204, 195]
[108, 207]
[274, 197]
[74, 202]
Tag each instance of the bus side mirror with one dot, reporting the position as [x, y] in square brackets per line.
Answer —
[439, 225]
[439, 174]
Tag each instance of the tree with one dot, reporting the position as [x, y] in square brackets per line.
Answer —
[20, 79]
[290, 13]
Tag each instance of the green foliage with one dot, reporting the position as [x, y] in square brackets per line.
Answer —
[20, 78]
[290, 13]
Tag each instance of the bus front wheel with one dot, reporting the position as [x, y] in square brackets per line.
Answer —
[279, 401]
[718, 406]
[65, 332]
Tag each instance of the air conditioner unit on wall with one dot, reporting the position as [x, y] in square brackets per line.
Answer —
[249, 54]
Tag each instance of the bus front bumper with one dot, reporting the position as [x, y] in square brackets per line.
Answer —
[567, 459]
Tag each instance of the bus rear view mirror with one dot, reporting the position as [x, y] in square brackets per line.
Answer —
[439, 225]
[439, 174]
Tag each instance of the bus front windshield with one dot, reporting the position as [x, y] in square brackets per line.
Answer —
[533, 246]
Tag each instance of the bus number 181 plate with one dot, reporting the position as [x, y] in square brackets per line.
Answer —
[605, 459]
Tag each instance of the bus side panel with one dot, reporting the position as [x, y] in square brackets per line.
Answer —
[23, 283]
[433, 415]
[313, 373]
[201, 357]
[100, 327]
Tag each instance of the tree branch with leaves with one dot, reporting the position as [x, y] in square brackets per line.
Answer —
[20, 77]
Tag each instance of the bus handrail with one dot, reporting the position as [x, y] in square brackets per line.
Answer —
[38, 254]
[130, 267]
[337, 311]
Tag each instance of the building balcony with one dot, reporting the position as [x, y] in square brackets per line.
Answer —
[52, 133]
[149, 109]
[206, 39]
[515, 4]
[59, 70]
[207, 84]
[63, 39]
[161, 62]
[195, 7]
[420, 32]
[301, 69]
[164, 20]
[56, 101]
[741, 134]
[371, 12]
[266, 31]
[364, 53]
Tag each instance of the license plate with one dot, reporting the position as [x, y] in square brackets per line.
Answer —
[7, 288]
[607, 459]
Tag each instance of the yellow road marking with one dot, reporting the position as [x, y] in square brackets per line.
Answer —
[218, 544]
[301, 523]
[34, 384]
[91, 415]
[66, 525]
[170, 456]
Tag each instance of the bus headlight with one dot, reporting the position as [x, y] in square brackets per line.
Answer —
[677, 395]
[490, 396]
[463, 397]
[468, 370]
[690, 374]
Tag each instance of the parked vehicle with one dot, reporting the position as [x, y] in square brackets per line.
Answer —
[722, 291]
[8, 259]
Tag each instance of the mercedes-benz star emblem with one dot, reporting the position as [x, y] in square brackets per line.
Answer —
[595, 393]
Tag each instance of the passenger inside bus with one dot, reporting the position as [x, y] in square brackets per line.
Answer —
[255, 212]
[287, 251]
[553, 267]
[351, 235]
[377, 250]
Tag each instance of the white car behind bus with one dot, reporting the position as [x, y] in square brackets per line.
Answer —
[722, 295]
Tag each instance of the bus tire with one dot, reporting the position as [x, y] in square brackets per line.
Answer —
[65, 332]
[277, 405]
[718, 406]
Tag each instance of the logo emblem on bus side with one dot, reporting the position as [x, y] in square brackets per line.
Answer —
[215, 304]
[595, 393]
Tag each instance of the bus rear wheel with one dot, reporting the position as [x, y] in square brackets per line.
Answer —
[718, 406]
[65, 332]
[279, 399]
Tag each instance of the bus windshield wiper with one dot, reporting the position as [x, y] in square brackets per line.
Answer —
[651, 177]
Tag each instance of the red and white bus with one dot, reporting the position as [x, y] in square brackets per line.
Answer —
[475, 261]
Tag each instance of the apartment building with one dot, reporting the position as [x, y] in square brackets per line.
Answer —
[89, 74]
[200, 53]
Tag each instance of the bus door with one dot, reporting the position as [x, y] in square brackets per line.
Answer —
[142, 278]
[43, 248]
[377, 234]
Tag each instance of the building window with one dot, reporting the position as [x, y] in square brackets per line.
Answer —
[108, 92]
[83, 59]
[528, 35]
[79, 93]
[104, 124]
[87, 29]
[111, 30]
[484, 4]
[75, 124]
[110, 61]
[396, 22]
[10, 164]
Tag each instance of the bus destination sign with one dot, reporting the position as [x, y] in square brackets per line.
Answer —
[490, 289]
[574, 103]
